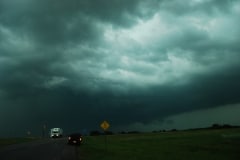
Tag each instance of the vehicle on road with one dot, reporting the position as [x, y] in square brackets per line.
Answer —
[75, 138]
[56, 132]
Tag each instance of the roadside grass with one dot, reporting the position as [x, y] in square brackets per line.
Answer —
[223, 144]
[10, 141]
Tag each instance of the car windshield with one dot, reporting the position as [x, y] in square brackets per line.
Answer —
[75, 135]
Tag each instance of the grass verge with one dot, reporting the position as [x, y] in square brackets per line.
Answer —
[10, 141]
[221, 144]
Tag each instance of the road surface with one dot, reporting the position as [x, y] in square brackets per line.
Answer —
[50, 149]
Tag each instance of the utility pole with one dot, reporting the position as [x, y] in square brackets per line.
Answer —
[44, 127]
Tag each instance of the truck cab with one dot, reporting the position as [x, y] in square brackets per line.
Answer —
[56, 132]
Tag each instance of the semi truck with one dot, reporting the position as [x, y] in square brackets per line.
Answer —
[56, 132]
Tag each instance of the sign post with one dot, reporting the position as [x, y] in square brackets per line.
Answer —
[105, 125]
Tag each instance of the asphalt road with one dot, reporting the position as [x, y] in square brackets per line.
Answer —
[50, 149]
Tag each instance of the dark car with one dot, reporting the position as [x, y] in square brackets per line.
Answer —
[75, 138]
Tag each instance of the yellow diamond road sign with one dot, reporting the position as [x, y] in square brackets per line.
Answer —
[105, 125]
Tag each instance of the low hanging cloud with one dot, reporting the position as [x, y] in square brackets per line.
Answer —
[131, 62]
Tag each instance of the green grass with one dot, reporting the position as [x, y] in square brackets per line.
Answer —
[9, 141]
[221, 144]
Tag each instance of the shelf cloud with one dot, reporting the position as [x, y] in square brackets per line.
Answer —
[74, 63]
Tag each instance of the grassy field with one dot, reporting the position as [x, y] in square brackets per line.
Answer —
[221, 144]
[9, 141]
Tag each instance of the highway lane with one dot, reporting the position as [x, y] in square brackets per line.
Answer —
[50, 149]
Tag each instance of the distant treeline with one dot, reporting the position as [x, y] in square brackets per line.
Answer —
[213, 126]
[219, 126]
[97, 133]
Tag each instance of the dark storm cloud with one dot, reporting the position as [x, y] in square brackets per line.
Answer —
[124, 61]
[52, 22]
[202, 6]
[48, 23]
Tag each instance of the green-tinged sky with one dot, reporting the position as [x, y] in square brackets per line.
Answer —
[140, 64]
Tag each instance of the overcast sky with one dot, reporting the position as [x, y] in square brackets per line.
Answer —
[140, 65]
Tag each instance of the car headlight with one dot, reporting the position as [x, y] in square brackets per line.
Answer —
[80, 139]
[69, 138]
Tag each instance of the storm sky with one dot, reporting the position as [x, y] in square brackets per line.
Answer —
[140, 65]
